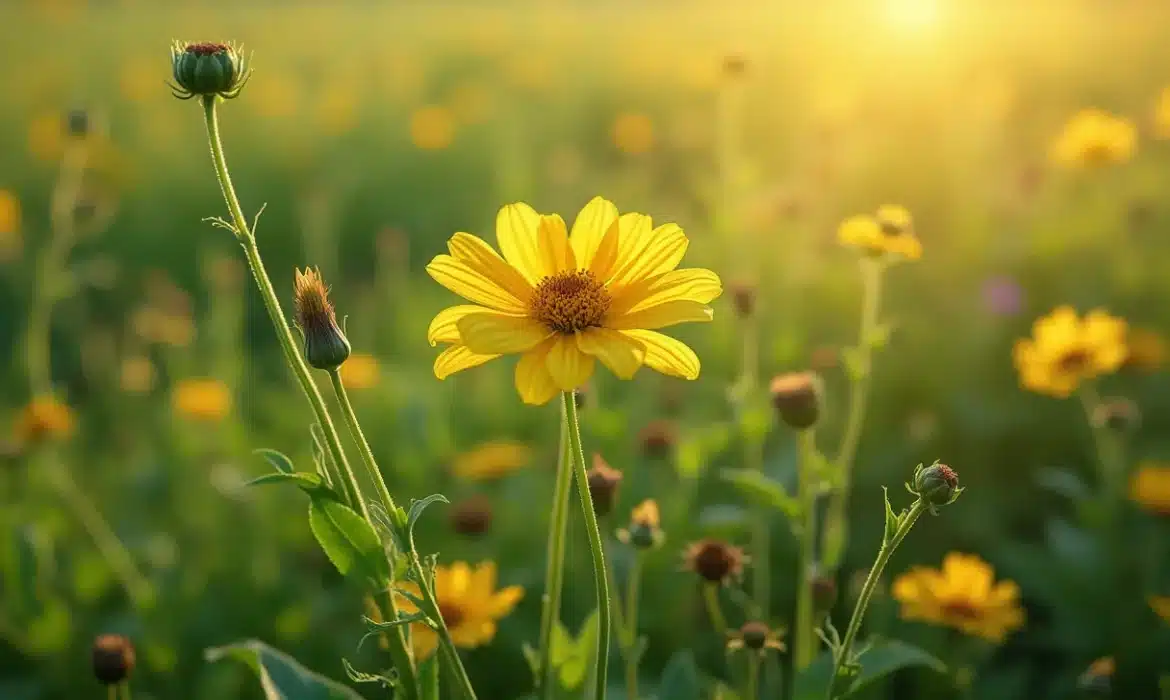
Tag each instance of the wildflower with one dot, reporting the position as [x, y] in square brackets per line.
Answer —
[1162, 114]
[658, 438]
[714, 561]
[1161, 606]
[797, 398]
[962, 595]
[469, 602]
[432, 128]
[44, 418]
[1118, 414]
[743, 294]
[201, 399]
[326, 347]
[1098, 676]
[113, 659]
[1145, 350]
[633, 133]
[206, 69]
[1149, 487]
[604, 481]
[491, 460]
[9, 213]
[360, 371]
[1093, 138]
[1065, 350]
[887, 233]
[562, 300]
[138, 374]
[645, 529]
[755, 636]
[937, 484]
[472, 516]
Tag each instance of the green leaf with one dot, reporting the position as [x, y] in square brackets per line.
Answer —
[281, 676]
[428, 673]
[680, 678]
[761, 489]
[349, 541]
[417, 508]
[883, 658]
[893, 522]
[278, 460]
[304, 480]
[579, 654]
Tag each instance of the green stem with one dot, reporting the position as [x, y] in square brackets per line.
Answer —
[125, 690]
[711, 600]
[595, 546]
[631, 629]
[554, 572]
[367, 455]
[753, 677]
[454, 663]
[112, 692]
[875, 574]
[753, 458]
[805, 633]
[1110, 453]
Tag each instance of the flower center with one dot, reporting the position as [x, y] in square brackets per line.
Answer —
[1074, 360]
[452, 614]
[568, 302]
[962, 609]
[206, 48]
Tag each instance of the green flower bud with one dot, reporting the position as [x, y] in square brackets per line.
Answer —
[326, 347]
[937, 484]
[206, 69]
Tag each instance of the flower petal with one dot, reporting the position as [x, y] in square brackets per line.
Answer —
[458, 358]
[555, 252]
[622, 354]
[479, 256]
[695, 284]
[569, 367]
[651, 253]
[500, 333]
[533, 381]
[661, 315]
[443, 328]
[517, 231]
[667, 355]
[503, 601]
[472, 285]
[590, 228]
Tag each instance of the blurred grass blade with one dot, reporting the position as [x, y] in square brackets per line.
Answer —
[281, 676]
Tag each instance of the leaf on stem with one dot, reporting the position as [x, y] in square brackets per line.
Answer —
[279, 461]
[349, 541]
[281, 676]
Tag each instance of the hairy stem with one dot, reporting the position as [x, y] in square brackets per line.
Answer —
[554, 572]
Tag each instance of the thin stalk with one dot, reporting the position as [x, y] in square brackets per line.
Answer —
[112, 692]
[631, 629]
[125, 690]
[805, 634]
[711, 600]
[595, 546]
[455, 664]
[753, 458]
[1110, 453]
[554, 571]
[367, 455]
[753, 677]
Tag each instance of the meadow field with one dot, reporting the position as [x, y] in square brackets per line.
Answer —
[925, 244]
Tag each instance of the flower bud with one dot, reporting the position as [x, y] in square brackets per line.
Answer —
[658, 438]
[206, 69]
[1097, 679]
[743, 295]
[1119, 415]
[754, 635]
[113, 658]
[326, 347]
[645, 530]
[797, 398]
[714, 561]
[472, 517]
[937, 484]
[603, 486]
[824, 591]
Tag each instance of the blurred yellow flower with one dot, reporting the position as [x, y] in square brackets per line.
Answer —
[1162, 115]
[337, 108]
[563, 300]
[360, 371]
[138, 374]
[275, 96]
[1099, 672]
[633, 133]
[963, 595]
[469, 602]
[530, 70]
[46, 137]
[1149, 487]
[432, 128]
[889, 231]
[1065, 350]
[43, 419]
[1093, 138]
[491, 460]
[1146, 350]
[9, 213]
[156, 325]
[201, 399]
[1161, 605]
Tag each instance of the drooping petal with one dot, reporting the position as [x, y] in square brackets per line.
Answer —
[589, 228]
[657, 252]
[443, 328]
[472, 285]
[458, 358]
[517, 231]
[569, 367]
[667, 355]
[503, 601]
[622, 354]
[500, 333]
[695, 284]
[555, 252]
[661, 315]
[479, 256]
[533, 381]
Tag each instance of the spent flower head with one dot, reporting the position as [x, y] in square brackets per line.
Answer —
[472, 516]
[1118, 415]
[113, 659]
[798, 398]
[604, 481]
[326, 346]
[208, 69]
[757, 637]
[715, 561]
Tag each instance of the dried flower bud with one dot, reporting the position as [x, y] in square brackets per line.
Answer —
[645, 530]
[77, 123]
[714, 561]
[472, 516]
[754, 634]
[113, 658]
[937, 484]
[326, 347]
[604, 481]
[208, 69]
[824, 591]
[743, 295]
[1119, 415]
[797, 398]
[658, 438]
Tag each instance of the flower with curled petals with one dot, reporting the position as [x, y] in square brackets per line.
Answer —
[563, 299]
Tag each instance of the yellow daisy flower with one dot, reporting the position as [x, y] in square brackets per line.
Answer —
[962, 595]
[1161, 605]
[1065, 350]
[889, 231]
[1149, 487]
[44, 418]
[1094, 138]
[491, 460]
[201, 399]
[561, 300]
[360, 371]
[470, 605]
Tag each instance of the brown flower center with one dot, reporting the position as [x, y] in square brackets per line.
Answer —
[1074, 360]
[206, 48]
[453, 615]
[568, 302]
[962, 610]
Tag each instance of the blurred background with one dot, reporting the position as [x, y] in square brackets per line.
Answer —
[374, 130]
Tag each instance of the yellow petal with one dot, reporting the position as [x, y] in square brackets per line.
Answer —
[695, 284]
[472, 285]
[662, 315]
[423, 640]
[500, 333]
[556, 255]
[660, 251]
[517, 231]
[458, 358]
[458, 580]
[605, 259]
[503, 602]
[533, 381]
[443, 328]
[621, 353]
[483, 579]
[590, 228]
[568, 366]
[479, 256]
[667, 355]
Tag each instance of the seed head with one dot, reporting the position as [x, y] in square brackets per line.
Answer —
[1119, 415]
[472, 516]
[743, 295]
[714, 561]
[113, 659]
[797, 398]
[658, 438]
[326, 347]
[937, 484]
[208, 69]
[604, 481]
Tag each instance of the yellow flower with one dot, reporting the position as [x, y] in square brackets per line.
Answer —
[1065, 350]
[470, 605]
[1093, 138]
[1161, 605]
[963, 596]
[633, 133]
[432, 128]
[645, 530]
[201, 399]
[562, 301]
[44, 418]
[360, 371]
[9, 213]
[491, 460]
[1162, 115]
[889, 231]
[1149, 487]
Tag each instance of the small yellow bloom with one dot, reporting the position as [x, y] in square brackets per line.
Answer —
[360, 371]
[9, 213]
[633, 133]
[963, 595]
[563, 300]
[1093, 138]
[1149, 487]
[1065, 350]
[491, 460]
[45, 418]
[889, 232]
[201, 399]
[645, 530]
[432, 128]
[469, 602]
[1161, 605]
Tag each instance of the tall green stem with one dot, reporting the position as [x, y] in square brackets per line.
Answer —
[805, 633]
[711, 600]
[753, 677]
[1110, 453]
[753, 458]
[595, 546]
[630, 633]
[554, 571]
[367, 455]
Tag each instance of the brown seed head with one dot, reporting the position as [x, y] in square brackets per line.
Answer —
[797, 398]
[113, 658]
[715, 561]
[604, 481]
[755, 635]
[743, 295]
[472, 516]
[658, 438]
[824, 591]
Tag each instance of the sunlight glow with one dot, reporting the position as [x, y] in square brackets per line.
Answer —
[913, 15]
